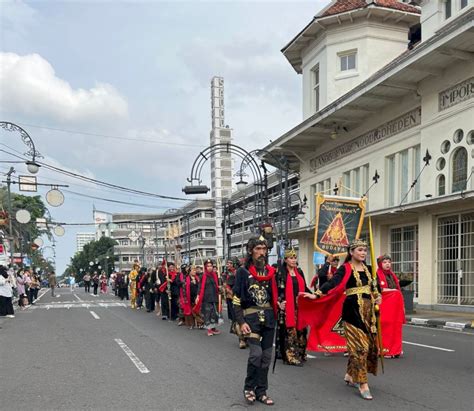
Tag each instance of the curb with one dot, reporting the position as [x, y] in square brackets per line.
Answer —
[450, 325]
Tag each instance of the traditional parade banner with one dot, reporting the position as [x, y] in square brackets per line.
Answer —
[338, 222]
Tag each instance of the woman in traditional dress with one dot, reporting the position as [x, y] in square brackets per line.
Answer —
[292, 341]
[103, 283]
[358, 315]
[392, 309]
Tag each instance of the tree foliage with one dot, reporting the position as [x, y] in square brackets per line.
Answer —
[95, 252]
[25, 234]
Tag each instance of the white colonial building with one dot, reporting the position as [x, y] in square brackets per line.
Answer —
[379, 96]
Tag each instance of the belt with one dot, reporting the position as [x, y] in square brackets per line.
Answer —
[253, 310]
[358, 290]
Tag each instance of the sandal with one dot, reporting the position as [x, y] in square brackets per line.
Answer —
[350, 383]
[249, 396]
[366, 395]
[265, 399]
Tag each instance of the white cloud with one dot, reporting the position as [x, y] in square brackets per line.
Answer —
[31, 88]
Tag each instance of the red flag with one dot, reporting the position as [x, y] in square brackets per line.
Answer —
[323, 316]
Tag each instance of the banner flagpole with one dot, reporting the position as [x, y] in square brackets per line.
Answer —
[376, 308]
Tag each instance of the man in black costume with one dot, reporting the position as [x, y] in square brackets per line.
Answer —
[255, 307]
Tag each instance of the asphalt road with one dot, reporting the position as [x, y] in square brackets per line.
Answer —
[76, 351]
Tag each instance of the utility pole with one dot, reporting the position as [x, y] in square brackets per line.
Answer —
[10, 214]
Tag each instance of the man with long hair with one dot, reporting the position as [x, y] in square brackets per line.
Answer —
[255, 306]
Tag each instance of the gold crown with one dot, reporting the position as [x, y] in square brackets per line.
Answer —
[357, 243]
[290, 253]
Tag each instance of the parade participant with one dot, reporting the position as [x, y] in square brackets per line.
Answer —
[103, 283]
[185, 301]
[327, 271]
[255, 306]
[229, 283]
[392, 309]
[140, 292]
[208, 298]
[132, 278]
[358, 315]
[52, 282]
[95, 282]
[149, 289]
[169, 292]
[87, 282]
[123, 281]
[183, 296]
[196, 320]
[292, 341]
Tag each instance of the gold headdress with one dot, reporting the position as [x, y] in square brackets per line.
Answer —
[357, 243]
[290, 253]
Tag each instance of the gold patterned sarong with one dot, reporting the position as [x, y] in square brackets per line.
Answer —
[361, 347]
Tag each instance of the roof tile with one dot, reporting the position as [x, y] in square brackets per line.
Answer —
[342, 6]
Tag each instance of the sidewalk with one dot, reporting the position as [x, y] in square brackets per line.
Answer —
[444, 319]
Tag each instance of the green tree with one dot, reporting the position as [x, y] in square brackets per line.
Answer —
[24, 234]
[97, 252]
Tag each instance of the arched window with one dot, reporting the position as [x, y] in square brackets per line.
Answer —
[459, 167]
[441, 185]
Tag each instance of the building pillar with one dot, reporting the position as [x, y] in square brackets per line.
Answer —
[427, 269]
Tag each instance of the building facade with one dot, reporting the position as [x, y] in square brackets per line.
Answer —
[179, 235]
[241, 221]
[404, 113]
[221, 161]
[82, 239]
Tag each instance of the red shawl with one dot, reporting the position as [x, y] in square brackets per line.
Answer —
[185, 302]
[197, 307]
[383, 274]
[269, 277]
[290, 300]
[316, 312]
[164, 286]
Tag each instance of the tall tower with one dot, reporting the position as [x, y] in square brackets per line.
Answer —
[221, 162]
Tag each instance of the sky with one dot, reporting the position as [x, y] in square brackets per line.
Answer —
[120, 92]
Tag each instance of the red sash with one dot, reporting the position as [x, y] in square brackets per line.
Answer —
[185, 302]
[197, 307]
[290, 317]
[164, 286]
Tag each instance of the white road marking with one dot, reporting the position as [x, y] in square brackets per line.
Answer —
[79, 298]
[440, 329]
[310, 356]
[428, 346]
[94, 315]
[136, 361]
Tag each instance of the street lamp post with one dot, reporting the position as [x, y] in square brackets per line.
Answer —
[32, 165]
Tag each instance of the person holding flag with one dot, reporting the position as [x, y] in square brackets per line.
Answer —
[208, 298]
[358, 314]
[169, 289]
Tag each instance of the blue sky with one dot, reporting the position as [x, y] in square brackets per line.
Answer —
[141, 70]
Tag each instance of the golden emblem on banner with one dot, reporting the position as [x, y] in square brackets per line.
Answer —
[338, 222]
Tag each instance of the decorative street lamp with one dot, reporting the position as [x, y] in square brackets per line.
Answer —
[31, 165]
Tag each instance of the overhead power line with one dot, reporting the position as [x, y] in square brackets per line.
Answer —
[85, 133]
